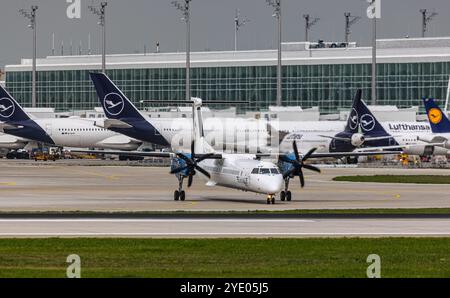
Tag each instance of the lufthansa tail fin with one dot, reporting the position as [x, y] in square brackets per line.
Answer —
[115, 104]
[368, 123]
[10, 110]
[438, 119]
[353, 119]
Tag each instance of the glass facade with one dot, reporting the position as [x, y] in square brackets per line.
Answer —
[328, 86]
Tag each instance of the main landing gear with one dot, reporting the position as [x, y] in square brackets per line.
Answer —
[270, 199]
[179, 194]
[286, 194]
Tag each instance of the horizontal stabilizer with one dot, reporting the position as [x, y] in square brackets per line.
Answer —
[114, 123]
[4, 126]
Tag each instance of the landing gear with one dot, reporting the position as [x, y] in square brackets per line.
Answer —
[179, 194]
[286, 193]
[286, 196]
[270, 199]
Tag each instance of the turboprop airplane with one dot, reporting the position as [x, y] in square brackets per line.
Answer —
[244, 172]
[60, 132]
[439, 122]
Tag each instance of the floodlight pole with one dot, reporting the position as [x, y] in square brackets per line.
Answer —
[349, 21]
[101, 13]
[276, 4]
[426, 18]
[238, 23]
[309, 24]
[185, 9]
[31, 15]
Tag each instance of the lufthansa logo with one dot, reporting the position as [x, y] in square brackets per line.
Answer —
[113, 104]
[367, 122]
[6, 107]
[353, 119]
[435, 116]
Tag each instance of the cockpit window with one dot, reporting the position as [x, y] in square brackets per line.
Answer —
[274, 171]
[264, 171]
[255, 171]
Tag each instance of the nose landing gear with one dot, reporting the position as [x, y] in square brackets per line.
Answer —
[270, 199]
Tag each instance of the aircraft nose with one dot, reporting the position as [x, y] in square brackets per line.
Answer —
[273, 184]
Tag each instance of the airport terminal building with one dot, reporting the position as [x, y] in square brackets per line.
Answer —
[408, 69]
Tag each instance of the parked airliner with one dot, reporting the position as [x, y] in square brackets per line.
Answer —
[439, 122]
[60, 132]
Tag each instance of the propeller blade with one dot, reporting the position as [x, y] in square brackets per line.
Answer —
[302, 178]
[312, 168]
[297, 156]
[177, 170]
[202, 171]
[308, 155]
[193, 150]
[190, 179]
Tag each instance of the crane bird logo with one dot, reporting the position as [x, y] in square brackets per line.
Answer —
[435, 116]
[6, 107]
[113, 104]
[367, 122]
[353, 119]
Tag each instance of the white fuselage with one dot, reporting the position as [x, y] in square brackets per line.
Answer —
[411, 135]
[82, 133]
[243, 172]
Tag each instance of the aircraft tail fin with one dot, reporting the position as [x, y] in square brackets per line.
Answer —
[367, 122]
[438, 119]
[10, 110]
[115, 104]
[353, 119]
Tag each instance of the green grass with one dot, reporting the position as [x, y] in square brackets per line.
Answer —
[418, 179]
[400, 257]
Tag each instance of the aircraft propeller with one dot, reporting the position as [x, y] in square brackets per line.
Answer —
[192, 164]
[298, 164]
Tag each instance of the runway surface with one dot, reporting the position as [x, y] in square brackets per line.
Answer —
[225, 227]
[61, 186]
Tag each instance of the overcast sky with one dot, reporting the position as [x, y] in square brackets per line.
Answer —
[133, 23]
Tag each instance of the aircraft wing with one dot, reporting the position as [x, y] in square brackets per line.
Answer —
[336, 154]
[143, 153]
[352, 154]
[402, 147]
[336, 138]
[365, 138]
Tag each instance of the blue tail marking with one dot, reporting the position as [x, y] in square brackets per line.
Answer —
[438, 119]
[117, 106]
[11, 112]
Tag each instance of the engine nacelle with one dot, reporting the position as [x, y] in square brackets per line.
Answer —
[358, 140]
